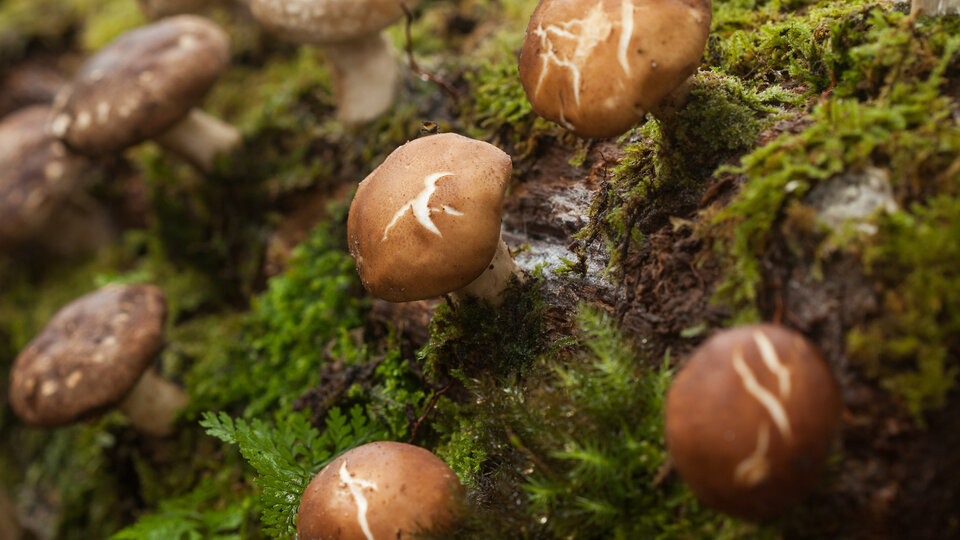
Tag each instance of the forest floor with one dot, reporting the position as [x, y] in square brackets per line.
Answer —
[636, 249]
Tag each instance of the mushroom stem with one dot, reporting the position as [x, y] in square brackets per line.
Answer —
[199, 138]
[493, 281]
[153, 403]
[666, 111]
[365, 77]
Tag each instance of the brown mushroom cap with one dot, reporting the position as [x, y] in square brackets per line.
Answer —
[382, 490]
[36, 174]
[323, 22]
[596, 67]
[750, 420]
[89, 355]
[427, 220]
[140, 85]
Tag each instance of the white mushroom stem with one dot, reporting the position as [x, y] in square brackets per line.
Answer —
[936, 7]
[365, 75]
[494, 280]
[199, 138]
[153, 403]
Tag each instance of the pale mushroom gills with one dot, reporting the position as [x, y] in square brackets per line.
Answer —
[427, 221]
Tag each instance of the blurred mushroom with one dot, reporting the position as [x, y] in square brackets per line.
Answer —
[597, 67]
[750, 420]
[145, 85]
[427, 221]
[157, 9]
[381, 490]
[42, 197]
[29, 83]
[365, 71]
[96, 353]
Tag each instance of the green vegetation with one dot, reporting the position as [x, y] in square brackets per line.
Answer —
[555, 437]
[582, 437]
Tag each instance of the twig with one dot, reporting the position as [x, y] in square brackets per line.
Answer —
[425, 75]
[430, 406]
[829, 90]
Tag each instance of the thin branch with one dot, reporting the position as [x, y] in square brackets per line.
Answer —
[430, 406]
[425, 75]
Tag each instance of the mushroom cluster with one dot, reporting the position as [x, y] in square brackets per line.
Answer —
[750, 420]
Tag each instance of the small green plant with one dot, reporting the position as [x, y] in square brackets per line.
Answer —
[289, 453]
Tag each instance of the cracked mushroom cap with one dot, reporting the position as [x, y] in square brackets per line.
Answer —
[36, 174]
[89, 355]
[322, 22]
[140, 85]
[750, 420]
[427, 220]
[380, 490]
[597, 67]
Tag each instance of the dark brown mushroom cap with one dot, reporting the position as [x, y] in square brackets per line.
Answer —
[323, 22]
[427, 220]
[596, 67]
[750, 420]
[89, 355]
[140, 85]
[393, 489]
[36, 174]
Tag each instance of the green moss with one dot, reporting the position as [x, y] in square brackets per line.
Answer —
[475, 337]
[499, 106]
[663, 166]
[582, 439]
[284, 335]
[911, 347]
[905, 126]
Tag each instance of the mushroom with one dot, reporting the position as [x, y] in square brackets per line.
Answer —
[145, 85]
[95, 353]
[42, 197]
[365, 71]
[597, 67]
[750, 420]
[379, 491]
[427, 221]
